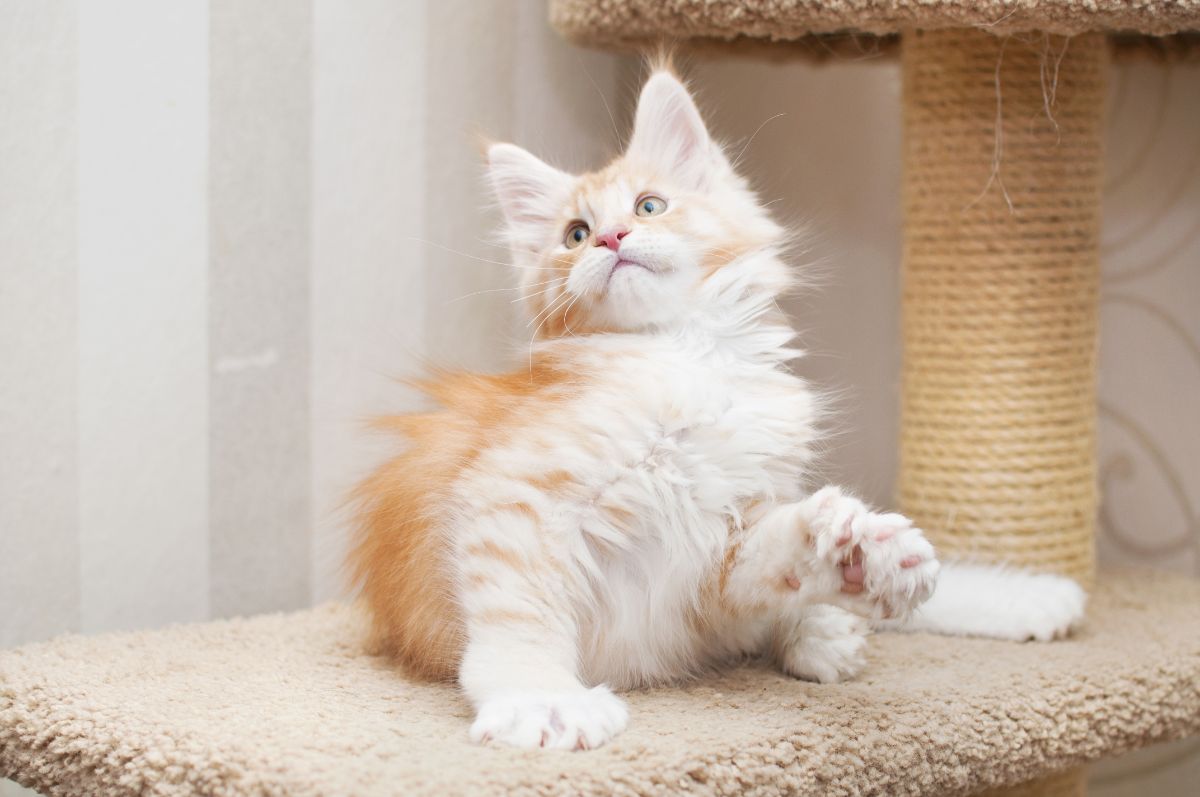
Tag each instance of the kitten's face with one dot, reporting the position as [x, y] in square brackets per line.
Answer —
[625, 248]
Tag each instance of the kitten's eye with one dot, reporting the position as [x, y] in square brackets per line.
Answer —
[577, 233]
[650, 205]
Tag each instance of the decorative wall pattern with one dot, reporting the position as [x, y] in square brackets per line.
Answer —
[1150, 361]
[1150, 357]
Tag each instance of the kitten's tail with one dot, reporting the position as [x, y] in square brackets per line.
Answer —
[999, 602]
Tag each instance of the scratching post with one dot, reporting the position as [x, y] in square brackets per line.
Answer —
[1002, 178]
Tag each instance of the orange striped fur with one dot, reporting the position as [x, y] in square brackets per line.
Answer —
[400, 557]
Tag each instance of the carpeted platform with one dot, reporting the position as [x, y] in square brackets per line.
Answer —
[613, 23]
[290, 704]
[856, 30]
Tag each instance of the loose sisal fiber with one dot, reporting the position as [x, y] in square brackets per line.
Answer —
[1002, 160]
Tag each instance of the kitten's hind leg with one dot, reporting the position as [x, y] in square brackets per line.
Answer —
[519, 668]
[999, 602]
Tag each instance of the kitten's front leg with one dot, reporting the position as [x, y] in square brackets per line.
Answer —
[525, 698]
[875, 564]
[832, 549]
[803, 560]
[809, 639]
[820, 643]
[519, 666]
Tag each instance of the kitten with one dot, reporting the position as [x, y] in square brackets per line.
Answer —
[628, 507]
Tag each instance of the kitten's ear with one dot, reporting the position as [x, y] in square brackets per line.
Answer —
[668, 131]
[531, 192]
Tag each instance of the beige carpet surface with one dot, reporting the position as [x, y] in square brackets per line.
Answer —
[291, 704]
[638, 22]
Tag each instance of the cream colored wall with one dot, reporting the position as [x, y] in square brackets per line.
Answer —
[224, 226]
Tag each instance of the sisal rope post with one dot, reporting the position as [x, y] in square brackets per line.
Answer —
[1002, 180]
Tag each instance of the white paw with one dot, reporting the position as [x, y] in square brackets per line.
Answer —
[880, 554]
[1040, 607]
[577, 720]
[1058, 611]
[826, 646]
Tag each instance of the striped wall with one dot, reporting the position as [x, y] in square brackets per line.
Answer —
[40, 490]
[225, 226]
[142, 294]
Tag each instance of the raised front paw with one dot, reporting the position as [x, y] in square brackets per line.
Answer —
[576, 720]
[883, 566]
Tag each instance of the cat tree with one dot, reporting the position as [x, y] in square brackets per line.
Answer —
[1003, 117]
[999, 325]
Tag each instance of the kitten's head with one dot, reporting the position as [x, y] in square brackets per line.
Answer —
[627, 247]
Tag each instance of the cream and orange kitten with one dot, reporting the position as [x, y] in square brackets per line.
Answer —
[629, 507]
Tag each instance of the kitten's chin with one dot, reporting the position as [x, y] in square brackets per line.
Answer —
[638, 297]
[624, 264]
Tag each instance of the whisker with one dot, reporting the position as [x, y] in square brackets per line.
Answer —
[551, 308]
[567, 314]
[501, 290]
[537, 293]
[482, 259]
[478, 293]
[492, 244]
[534, 338]
[554, 307]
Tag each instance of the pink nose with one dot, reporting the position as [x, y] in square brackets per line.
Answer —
[612, 237]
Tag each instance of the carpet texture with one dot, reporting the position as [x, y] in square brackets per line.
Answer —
[291, 704]
[854, 30]
[616, 22]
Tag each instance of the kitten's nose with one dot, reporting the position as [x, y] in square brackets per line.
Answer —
[612, 237]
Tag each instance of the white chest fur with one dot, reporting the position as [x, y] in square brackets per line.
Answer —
[686, 437]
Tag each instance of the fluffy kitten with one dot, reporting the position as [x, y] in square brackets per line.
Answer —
[628, 507]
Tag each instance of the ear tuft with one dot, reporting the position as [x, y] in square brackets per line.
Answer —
[530, 191]
[668, 130]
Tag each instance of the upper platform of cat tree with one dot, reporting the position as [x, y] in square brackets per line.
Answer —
[291, 704]
[822, 27]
